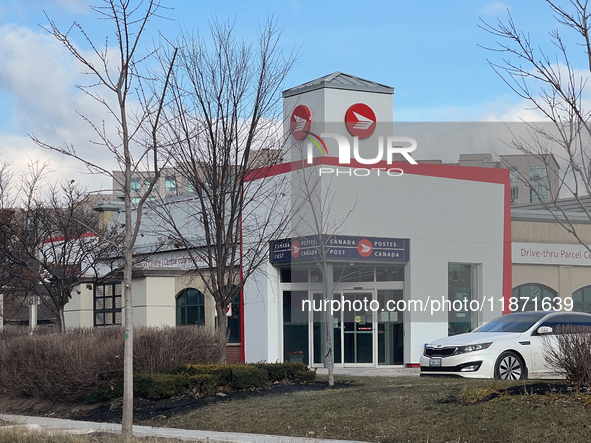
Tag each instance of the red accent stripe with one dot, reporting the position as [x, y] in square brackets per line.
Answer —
[54, 239]
[413, 365]
[507, 261]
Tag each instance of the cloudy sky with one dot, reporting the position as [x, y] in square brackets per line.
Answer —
[430, 51]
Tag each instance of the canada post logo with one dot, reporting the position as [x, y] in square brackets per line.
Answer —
[300, 122]
[360, 121]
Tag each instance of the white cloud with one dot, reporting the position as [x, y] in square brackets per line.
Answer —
[525, 110]
[39, 76]
[495, 8]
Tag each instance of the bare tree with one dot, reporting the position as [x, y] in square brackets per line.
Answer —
[133, 105]
[313, 199]
[567, 352]
[224, 132]
[52, 244]
[555, 85]
[11, 294]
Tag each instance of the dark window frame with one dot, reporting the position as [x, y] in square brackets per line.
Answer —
[585, 294]
[102, 297]
[199, 306]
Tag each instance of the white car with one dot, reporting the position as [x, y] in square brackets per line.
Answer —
[509, 347]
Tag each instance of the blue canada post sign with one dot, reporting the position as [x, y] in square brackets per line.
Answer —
[339, 247]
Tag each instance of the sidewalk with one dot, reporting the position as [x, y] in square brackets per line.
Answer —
[63, 425]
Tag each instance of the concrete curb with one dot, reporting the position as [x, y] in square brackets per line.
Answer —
[63, 425]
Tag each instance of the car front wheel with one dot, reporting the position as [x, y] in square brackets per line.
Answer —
[510, 366]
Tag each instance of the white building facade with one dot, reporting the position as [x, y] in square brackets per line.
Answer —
[407, 235]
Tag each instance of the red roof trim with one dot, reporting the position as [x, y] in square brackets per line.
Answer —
[56, 239]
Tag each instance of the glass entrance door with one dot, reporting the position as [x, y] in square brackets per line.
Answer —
[360, 336]
[358, 328]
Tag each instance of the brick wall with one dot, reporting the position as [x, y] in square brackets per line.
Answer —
[233, 354]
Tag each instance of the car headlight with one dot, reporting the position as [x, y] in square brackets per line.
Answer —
[472, 348]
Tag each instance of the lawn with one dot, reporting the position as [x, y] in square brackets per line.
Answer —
[397, 410]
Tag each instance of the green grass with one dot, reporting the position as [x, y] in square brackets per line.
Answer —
[397, 410]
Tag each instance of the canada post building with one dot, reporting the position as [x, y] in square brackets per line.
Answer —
[395, 234]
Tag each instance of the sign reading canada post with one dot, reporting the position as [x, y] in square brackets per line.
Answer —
[339, 247]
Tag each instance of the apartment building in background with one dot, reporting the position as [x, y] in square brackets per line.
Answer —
[173, 181]
[534, 178]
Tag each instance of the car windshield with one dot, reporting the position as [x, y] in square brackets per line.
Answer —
[518, 322]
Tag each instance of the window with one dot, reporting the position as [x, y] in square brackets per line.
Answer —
[538, 178]
[135, 184]
[582, 300]
[147, 182]
[294, 275]
[234, 324]
[566, 320]
[191, 185]
[190, 307]
[107, 304]
[301, 275]
[514, 170]
[531, 296]
[462, 288]
[538, 194]
[295, 327]
[170, 183]
[514, 192]
[538, 174]
[353, 273]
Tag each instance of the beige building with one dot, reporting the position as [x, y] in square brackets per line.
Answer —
[548, 261]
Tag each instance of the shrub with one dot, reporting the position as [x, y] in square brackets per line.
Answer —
[568, 353]
[247, 376]
[157, 386]
[222, 374]
[80, 362]
[60, 366]
[202, 384]
[162, 349]
[287, 371]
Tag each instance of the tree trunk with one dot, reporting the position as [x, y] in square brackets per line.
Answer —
[221, 311]
[329, 351]
[127, 416]
[61, 321]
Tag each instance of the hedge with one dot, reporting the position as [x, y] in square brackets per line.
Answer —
[205, 379]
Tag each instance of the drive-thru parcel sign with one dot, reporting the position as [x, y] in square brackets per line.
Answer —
[339, 246]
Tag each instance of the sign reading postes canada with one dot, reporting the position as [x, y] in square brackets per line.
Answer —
[340, 247]
[300, 122]
[360, 120]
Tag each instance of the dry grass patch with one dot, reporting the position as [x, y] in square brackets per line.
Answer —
[383, 409]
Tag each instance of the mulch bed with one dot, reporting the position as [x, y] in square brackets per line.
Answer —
[110, 412]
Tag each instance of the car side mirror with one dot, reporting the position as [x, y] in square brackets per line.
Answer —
[544, 330]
